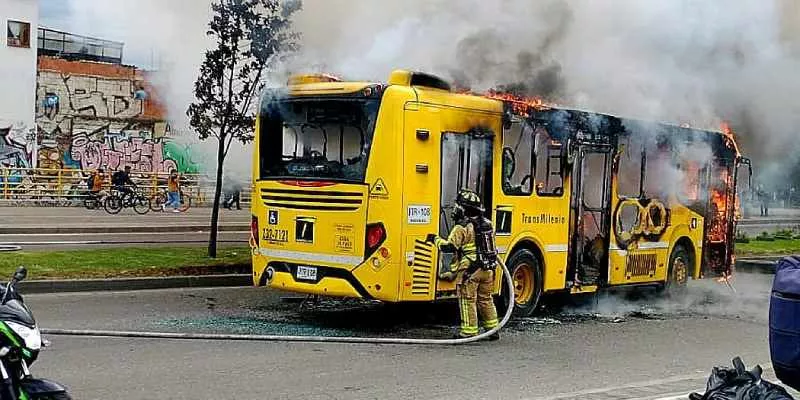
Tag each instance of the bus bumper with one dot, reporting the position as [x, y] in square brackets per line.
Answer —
[327, 286]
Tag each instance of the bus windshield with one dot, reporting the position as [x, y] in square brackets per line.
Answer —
[317, 138]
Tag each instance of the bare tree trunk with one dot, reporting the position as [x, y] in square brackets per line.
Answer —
[212, 240]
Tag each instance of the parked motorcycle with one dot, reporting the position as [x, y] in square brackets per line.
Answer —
[20, 343]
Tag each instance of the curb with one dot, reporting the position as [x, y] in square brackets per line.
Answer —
[132, 284]
[119, 229]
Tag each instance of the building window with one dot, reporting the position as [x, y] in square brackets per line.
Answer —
[19, 34]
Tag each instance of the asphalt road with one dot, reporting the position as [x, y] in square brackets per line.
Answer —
[611, 346]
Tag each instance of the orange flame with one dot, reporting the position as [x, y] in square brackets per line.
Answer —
[519, 104]
[718, 231]
[731, 137]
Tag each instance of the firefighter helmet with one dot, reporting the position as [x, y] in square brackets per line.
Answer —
[469, 201]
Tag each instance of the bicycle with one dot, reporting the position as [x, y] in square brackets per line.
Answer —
[158, 200]
[117, 200]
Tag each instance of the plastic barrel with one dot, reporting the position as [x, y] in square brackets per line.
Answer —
[784, 322]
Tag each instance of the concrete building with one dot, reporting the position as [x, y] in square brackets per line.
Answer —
[19, 20]
[101, 114]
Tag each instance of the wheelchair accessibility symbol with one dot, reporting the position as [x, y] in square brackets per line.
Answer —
[273, 217]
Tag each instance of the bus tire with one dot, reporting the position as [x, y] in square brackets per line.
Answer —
[526, 271]
[678, 273]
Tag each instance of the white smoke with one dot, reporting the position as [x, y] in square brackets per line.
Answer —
[748, 300]
[680, 61]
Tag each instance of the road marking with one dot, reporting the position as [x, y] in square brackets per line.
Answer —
[680, 397]
[636, 385]
[672, 388]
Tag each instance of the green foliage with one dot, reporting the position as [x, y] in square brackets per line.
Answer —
[251, 36]
[122, 262]
[768, 248]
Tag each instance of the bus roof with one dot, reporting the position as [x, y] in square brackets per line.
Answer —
[601, 127]
[597, 125]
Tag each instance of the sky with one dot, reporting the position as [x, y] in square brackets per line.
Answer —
[678, 61]
[89, 18]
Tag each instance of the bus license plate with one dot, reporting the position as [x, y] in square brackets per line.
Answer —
[307, 273]
[276, 235]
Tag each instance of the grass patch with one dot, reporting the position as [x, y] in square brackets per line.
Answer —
[126, 262]
[774, 247]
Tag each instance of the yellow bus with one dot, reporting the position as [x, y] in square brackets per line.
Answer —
[350, 177]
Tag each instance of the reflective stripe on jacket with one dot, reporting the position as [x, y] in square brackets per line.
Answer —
[461, 241]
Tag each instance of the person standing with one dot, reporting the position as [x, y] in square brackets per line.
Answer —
[475, 277]
[763, 198]
[233, 191]
[96, 181]
[173, 192]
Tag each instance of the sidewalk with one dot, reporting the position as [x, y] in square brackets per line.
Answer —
[58, 220]
[774, 213]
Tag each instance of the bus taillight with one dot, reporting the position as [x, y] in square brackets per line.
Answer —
[375, 236]
[254, 230]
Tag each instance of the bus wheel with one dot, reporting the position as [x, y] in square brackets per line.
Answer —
[527, 275]
[678, 273]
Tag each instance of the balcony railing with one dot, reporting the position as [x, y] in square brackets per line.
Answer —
[76, 47]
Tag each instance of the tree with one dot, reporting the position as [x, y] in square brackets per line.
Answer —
[251, 36]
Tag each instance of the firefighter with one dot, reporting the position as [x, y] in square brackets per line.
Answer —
[473, 264]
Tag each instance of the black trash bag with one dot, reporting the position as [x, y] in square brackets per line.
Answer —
[740, 384]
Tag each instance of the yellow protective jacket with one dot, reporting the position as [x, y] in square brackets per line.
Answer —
[461, 241]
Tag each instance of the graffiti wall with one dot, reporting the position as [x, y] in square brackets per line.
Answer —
[15, 144]
[91, 115]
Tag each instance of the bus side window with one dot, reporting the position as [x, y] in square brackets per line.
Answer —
[549, 173]
[518, 160]
[629, 171]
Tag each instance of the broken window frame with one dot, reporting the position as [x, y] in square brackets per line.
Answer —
[642, 169]
[554, 151]
[524, 190]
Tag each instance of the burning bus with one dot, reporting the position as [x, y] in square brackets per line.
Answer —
[350, 177]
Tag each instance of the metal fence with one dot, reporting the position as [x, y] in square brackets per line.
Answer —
[68, 187]
[76, 47]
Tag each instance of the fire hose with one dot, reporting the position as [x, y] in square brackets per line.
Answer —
[289, 338]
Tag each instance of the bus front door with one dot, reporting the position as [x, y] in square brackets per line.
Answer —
[466, 164]
[590, 213]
